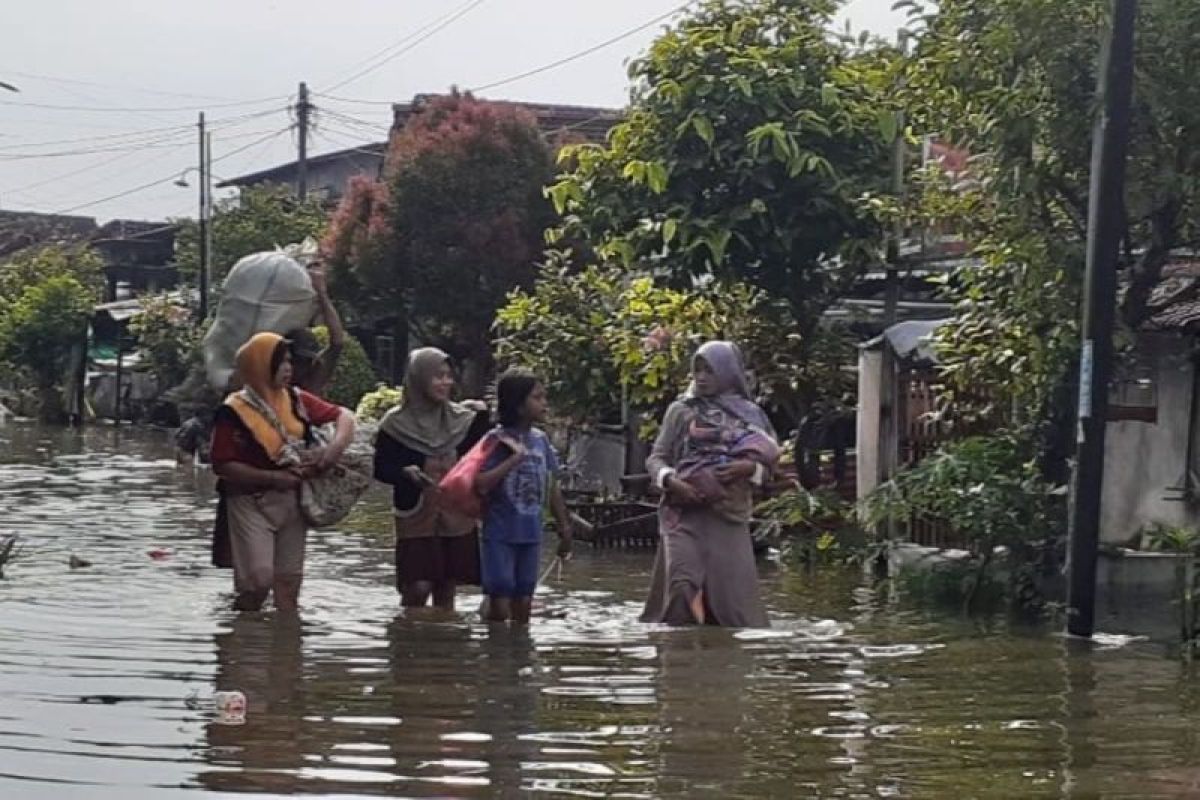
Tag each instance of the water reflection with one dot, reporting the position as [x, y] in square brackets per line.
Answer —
[107, 674]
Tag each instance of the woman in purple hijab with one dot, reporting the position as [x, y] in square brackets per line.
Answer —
[715, 445]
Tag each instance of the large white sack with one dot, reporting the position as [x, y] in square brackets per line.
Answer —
[263, 292]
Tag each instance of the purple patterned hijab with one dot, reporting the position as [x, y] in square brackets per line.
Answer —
[733, 390]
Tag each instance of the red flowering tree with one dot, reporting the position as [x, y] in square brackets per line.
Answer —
[456, 224]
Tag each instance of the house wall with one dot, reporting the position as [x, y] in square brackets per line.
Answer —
[1144, 461]
[330, 179]
[870, 414]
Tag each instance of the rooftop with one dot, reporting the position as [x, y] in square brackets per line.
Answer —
[286, 172]
[589, 123]
[20, 230]
[1175, 301]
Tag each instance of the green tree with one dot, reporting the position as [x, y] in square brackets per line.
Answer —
[353, 377]
[465, 214]
[601, 334]
[259, 218]
[1014, 82]
[38, 330]
[753, 144]
[30, 267]
[168, 340]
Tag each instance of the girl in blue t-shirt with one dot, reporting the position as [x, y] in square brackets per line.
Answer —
[515, 481]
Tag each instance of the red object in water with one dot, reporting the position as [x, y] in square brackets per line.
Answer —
[159, 555]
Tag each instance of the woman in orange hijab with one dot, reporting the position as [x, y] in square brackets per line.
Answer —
[262, 448]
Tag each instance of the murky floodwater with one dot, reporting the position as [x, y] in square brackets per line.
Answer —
[107, 674]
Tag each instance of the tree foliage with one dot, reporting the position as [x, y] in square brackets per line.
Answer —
[1014, 81]
[259, 218]
[753, 144]
[374, 404]
[29, 267]
[602, 334]
[168, 340]
[40, 327]
[464, 213]
[990, 489]
[353, 377]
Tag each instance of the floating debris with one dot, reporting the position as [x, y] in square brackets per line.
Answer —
[231, 707]
[8, 551]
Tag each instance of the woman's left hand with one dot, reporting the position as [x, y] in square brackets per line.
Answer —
[734, 471]
[320, 459]
[328, 458]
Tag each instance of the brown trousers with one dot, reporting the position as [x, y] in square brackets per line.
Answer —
[268, 534]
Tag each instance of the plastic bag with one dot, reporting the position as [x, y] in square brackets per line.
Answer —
[263, 292]
[458, 485]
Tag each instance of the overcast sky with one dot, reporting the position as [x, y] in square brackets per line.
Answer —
[77, 61]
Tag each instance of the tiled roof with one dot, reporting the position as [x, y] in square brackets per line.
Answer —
[1175, 301]
[22, 229]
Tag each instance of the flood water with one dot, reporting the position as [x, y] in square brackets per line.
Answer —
[107, 674]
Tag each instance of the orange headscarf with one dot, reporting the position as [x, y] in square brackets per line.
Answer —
[254, 371]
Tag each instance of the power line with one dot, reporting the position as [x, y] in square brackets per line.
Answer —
[412, 41]
[270, 137]
[328, 136]
[125, 148]
[155, 144]
[352, 100]
[65, 175]
[583, 53]
[403, 41]
[76, 82]
[140, 109]
[374, 128]
[224, 122]
[121, 155]
[174, 174]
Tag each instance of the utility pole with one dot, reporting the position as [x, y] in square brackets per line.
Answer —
[891, 300]
[208, 216]
[302, 111]
[202, 312]
[1110, 142]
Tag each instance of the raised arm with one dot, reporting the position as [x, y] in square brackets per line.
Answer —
[328, 359]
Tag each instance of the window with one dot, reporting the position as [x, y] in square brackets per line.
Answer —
[1133, 393]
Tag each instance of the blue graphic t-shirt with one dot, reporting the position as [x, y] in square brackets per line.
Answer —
[514, 508]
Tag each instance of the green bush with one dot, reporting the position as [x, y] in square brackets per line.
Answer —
[376, 403]
[989, 489]
[354, 375]
[38, 331]
[167, 338]
[813, 528]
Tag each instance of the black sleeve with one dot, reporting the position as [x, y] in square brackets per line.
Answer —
[391, 458]
[479, 428]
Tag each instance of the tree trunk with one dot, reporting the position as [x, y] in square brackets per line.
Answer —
[400, 345]
[50, 403]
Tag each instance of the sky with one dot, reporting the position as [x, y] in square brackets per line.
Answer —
[104, 123]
